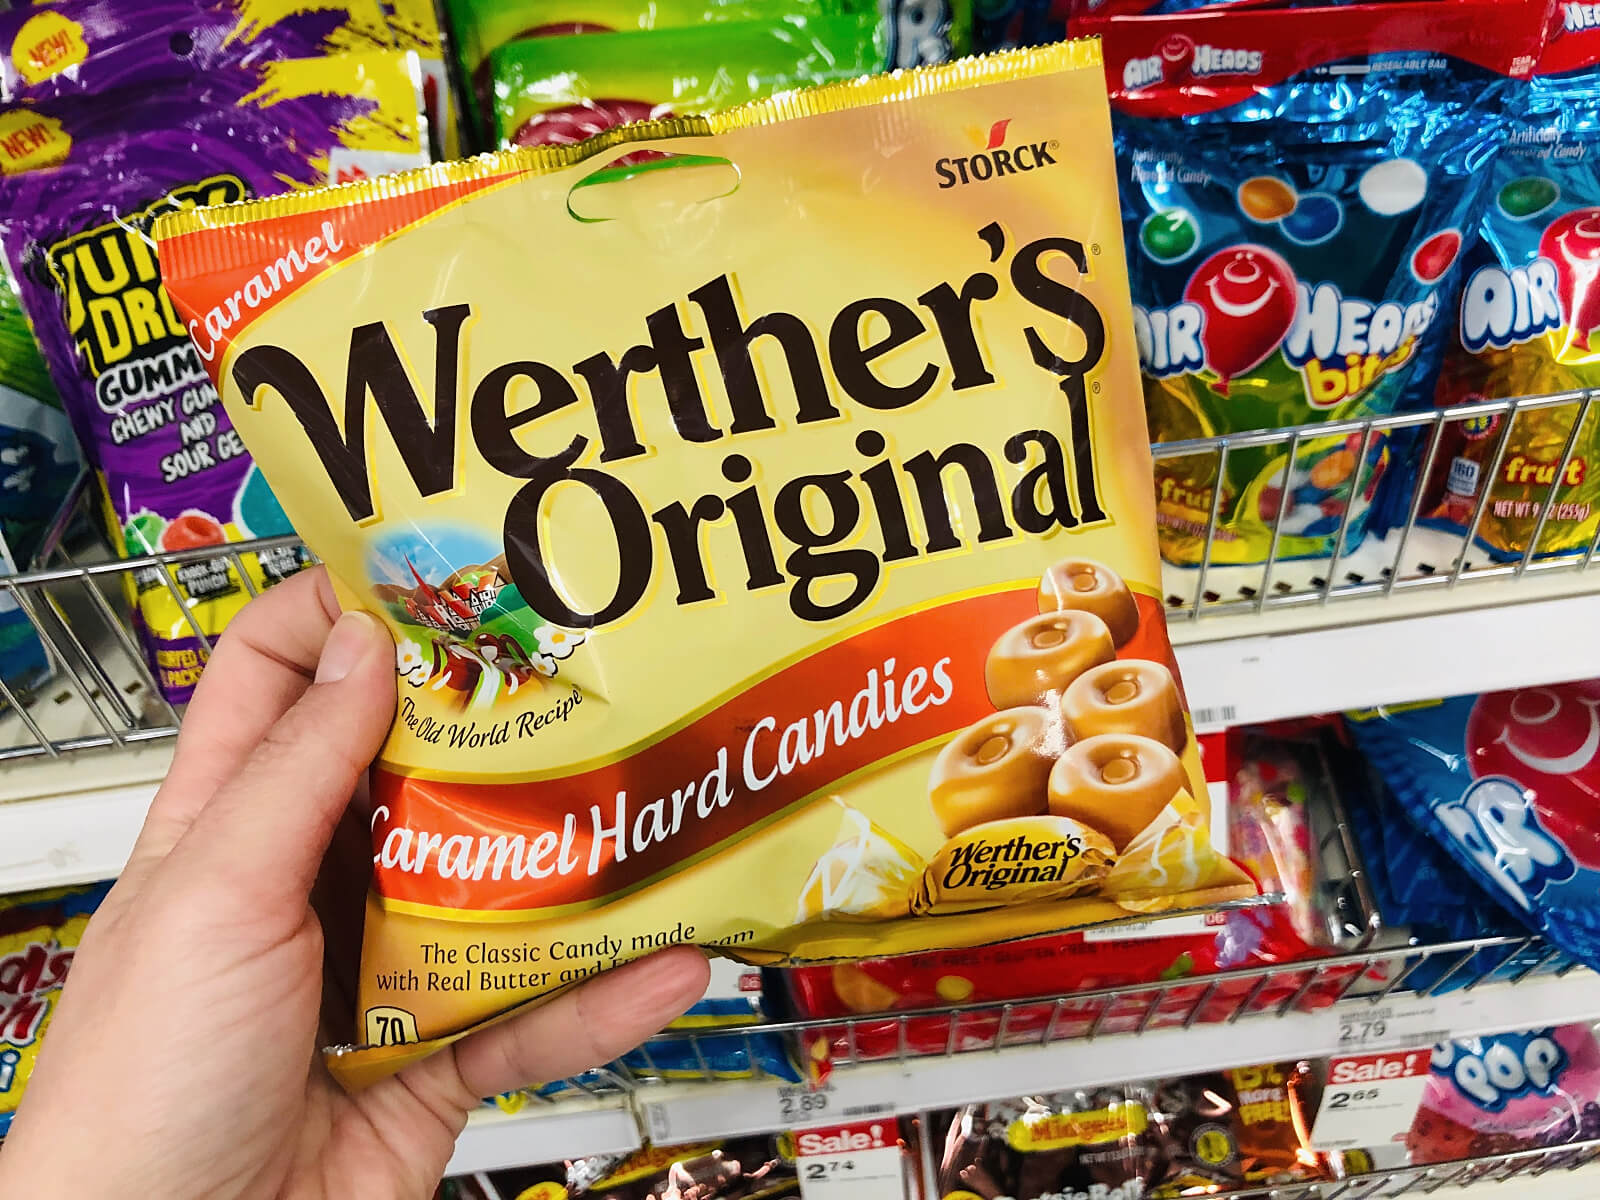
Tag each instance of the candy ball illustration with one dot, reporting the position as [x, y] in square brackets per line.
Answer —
[1169, 235]
[1315, 219]
[1247, 294]
[193, 528]
[1547, 739]
[1528, 196]
[1265, 198]
[1572, 242]
[142, 533]
[1433, 258]
[1393, 187]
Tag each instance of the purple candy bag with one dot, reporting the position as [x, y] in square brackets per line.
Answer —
[80, 47]
[76, 235]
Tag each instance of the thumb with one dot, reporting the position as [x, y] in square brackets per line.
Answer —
[265, 830]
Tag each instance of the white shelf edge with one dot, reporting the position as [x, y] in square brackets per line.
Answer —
[570, 1129]
[1364, 655]
[80, 837]
[688, 1112]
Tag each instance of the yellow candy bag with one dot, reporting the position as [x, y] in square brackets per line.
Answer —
[762, 507]
[39, 934]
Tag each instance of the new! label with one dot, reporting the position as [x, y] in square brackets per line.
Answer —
[849, 1162]
[1370, 1099]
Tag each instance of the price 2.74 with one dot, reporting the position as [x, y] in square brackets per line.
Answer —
[828, 1168]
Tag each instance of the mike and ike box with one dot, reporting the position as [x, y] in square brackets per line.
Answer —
[761, 506]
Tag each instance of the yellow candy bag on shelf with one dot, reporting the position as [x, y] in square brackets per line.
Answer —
[762, 508]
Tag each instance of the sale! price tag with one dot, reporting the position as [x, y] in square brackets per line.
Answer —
[1370, 1099]
[850, 1162]
[1405, 1023]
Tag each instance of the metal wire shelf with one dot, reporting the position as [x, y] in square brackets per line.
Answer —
[1406, 556]
[1394, 1181]
[1426, 1180]
[1361, 980]
[101, 694]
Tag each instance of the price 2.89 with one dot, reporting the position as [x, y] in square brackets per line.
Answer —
[798, 1103]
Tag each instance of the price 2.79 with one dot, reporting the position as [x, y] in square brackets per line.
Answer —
[1357, 1032]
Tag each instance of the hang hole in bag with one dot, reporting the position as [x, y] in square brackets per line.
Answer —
[652, 189]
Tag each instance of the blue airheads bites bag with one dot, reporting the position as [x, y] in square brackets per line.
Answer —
[1296, 191]
[1509, 784]
[1529, 318]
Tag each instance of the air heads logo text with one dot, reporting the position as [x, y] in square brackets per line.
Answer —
[993, 158]
[1180, 57]
[1575, 18]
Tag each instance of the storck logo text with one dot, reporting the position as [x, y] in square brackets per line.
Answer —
[993, 158]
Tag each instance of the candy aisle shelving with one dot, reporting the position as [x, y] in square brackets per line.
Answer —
[1404, 617]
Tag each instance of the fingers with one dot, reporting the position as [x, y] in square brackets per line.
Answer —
[263, 663]
[262, 836]
[586, 1027]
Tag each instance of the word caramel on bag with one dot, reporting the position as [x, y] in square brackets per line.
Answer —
[765, 525]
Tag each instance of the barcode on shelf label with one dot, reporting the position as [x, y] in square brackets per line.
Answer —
[866, 1110]
[861, 1161]
[1217, 714]
[1370, 1099]
[1403, 1023]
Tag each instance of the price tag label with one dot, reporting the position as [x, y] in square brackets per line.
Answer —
[801, 1105]
[850, 1162]
[1370, 1099]
[1404, 1023]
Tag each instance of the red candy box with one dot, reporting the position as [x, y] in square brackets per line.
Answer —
[1267, 799]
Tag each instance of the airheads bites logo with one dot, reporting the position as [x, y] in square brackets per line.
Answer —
[1502, 306]
[993, 158]
[1181, 58]
[1244, 302]
[1525, 822]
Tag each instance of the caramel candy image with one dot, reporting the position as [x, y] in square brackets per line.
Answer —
[994, 769]
[1088, 586]
[1016, 860]
[867, 872]
[1126, 696]
[1116, 782]
[860, 992]
[1173, 865]
[1036, 659]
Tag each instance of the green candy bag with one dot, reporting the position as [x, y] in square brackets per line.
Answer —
[559, 90]
[914, 32]
[39, 463]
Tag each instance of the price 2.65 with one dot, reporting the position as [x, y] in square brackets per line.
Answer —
[1346, 1099]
